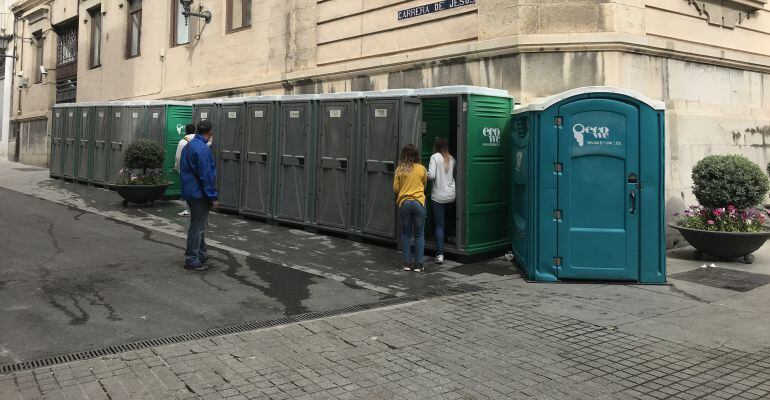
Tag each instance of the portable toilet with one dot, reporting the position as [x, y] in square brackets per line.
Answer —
[127, 124]
[166, 121]
[102, 143]
[475, 121]
[57, 141]
[70, 135]
[391, 120]
[85, 143]
[259, 155]
[339, 122]
[227, 147]
[588, 182]
[295, 151]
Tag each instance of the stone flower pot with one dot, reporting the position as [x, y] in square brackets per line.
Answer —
[724, 245]
[140, 194]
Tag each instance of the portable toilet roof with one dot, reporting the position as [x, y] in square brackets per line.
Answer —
[462, 89]
[206, 101]
[263, 98]
[545, 103]
[299, 97]
[233, 100]
[390, 93]
[341, 96]
[167, 103]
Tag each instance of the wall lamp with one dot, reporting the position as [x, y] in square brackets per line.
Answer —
[186, 4]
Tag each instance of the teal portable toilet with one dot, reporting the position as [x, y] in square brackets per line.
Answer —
[588, 182]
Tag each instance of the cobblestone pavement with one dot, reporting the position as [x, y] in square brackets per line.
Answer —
[470, 346]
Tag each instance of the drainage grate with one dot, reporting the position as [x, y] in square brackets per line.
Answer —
[29, 169]
[724, 278]
[251, 326]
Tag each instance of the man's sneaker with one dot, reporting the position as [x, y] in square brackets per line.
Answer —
[418, 268]
[407, 266]
[439, 259]
[199, 268]
[185, 213]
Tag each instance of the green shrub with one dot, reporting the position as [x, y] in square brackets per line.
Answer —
[724, 180]
[144, 154]
[143, 163]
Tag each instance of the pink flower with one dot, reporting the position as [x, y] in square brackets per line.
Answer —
[719, 211]
[710, 222]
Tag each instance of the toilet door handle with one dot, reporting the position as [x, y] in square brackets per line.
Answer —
[633, 202]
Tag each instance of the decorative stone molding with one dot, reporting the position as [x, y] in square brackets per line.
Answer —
[729, 13]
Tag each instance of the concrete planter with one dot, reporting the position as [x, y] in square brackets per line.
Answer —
[724, 245]
[140, 194]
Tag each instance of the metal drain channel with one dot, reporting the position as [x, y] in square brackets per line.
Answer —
[250, 326]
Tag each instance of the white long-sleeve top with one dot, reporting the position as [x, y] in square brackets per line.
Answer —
[443, 190]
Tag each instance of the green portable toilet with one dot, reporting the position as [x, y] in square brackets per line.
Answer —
[476, 123]
[390, 120]
[588, 182]
[258, 155]
[166, 121]
[294, 176]
[57, 140]
[70, 136]
[102, 143]
[85, 142]
[339, 122]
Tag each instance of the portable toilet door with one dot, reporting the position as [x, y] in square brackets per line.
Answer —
[391, 119]
[166, 121]
[605, 146]
[120, 137]
[475, 121]
[295, 144]
[71, 148]
[102, 143]
[85, 143]
[57, 141]
[228, 139]
[259, 155]
[207, 109]
[338, 133]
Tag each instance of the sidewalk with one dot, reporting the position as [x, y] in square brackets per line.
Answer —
[704, 335]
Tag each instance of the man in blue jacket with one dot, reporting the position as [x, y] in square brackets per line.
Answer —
[198, 173]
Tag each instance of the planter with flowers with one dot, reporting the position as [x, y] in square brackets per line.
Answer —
[728, 224]
[141, 179]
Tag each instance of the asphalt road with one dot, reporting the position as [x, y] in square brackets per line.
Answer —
[73, 281]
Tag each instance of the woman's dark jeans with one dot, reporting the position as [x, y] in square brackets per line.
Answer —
[412, 214]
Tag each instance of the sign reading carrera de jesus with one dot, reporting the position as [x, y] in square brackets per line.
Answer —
[433, 7]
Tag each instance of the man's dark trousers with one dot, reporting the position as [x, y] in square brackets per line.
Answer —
[195, 254]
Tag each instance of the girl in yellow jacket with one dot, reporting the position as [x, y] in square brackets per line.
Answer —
[409, 184]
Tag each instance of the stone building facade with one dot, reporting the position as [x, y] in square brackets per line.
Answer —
[709, 60]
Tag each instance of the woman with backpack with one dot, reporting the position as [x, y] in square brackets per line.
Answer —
[409, 184]
[441, 173]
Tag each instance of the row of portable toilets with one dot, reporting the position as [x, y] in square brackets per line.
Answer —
[573, 184]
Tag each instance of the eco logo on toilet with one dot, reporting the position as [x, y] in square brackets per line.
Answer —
[599, 133]
[493, 137]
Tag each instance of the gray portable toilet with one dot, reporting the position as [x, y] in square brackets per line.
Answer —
[295, 150]
[206, 109]
[127, 125]
[102, 143]
[57, 140]
[259, 155]
[588, 184]
[228, 144]
[85, 142]
[70, 135]
[391, 119]
[339, 129]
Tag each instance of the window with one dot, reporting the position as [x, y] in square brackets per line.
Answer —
[238, 14]
[67, 45]
[39, 43]
[96, 37]
[2, 67]
[181, 32]
[66, 90]
[134, 32]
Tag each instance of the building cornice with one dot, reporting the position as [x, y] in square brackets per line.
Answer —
[541, 43]
[22, 6]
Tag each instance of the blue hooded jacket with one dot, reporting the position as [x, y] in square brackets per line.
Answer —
[198, 171]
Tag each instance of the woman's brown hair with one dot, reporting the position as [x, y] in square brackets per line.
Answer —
[441, 146]
[409, 157]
